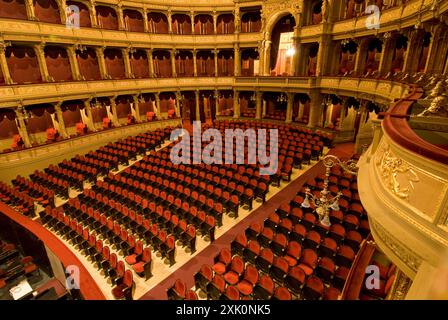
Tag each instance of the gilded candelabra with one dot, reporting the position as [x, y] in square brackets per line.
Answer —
[325, 201]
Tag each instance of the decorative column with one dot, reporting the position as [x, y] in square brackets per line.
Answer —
[198, 108]
[113, 107]
[216, 61]
[264, 108]
[289, 107]
[261, 55]
[236, 18]
[4, 63]
[215, 22]
[40, 53]
[101, 62]
[178, 98]
[259, 102]
[150, 62]
[90, 123]
[145, 19]
[236, 60]
[384, 66]
[192, 21]
[158, 113]
[121, 25]
[73, 63]
[136, 108]
[30, 10]
[195, 63]
[21, 126]
[361, 56]
[236, 104]
[92, 12]
[170, 21]
[127, 63]
[62, 10]
[415, 42]
[60, 119]
[267, 58]
[173, 62]
[322, 55]
[315, 109]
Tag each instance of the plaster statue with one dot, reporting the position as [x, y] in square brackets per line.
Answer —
[437, 108]
[438, 90]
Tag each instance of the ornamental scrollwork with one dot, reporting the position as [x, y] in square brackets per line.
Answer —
[391, 167]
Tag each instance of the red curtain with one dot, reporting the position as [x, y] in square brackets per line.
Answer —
[157, 22]
[133, 20]
[203, 24]
[47, 11]
[41, 119]
[147, 105]
[167, 101]
[139, 64]
[162, 64]
[98, 114]
[23, 64]
[8, 126]
[185, 64]
[88, 64]
[225, 24]
[114, 63]
[71, 118]
[58, 63]
[84, 15]
[107, 17]
[181, 24]
[15, 9]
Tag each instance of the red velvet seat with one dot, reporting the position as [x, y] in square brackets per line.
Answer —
[178, 291]
[236, 270]
[252, 251]
[340, 277]
[295, 279]
[308, 261]
[331, 293]
[203, 277]
[281, 293]
[345, 256]
[250, 278]
[231, 293]
[313, 289]
[293, 253]
[143, 267]
[326, 268]
[124, 287]
[328, 247]
[264, 288]
[216, 287]
[222, 260]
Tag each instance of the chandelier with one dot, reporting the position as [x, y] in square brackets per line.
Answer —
[282, 98]
[325, 201]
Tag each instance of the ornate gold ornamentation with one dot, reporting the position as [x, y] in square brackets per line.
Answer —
[391, 167]
[401, 287]
[437, 108]
[410, 258]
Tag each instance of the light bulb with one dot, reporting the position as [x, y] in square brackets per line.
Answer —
[306, 203]
[290, 52]
[325, 221]
[335, 206]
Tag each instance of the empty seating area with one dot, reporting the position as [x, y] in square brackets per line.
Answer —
[290, 255]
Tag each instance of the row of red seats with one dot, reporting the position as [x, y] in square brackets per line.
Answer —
[40, 193]
[21, 201]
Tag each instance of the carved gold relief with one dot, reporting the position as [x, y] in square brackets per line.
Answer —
[391, 168]
[410, 258]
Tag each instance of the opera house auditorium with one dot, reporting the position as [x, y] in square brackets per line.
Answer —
[223, 150]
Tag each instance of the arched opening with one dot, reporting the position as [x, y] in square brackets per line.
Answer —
[139, 64]
[247, 101]
[423, 58]
[157, 22]
[107, 17]
[114, 63]
[41, 118]
[23, 64]
[88, 64]
[205, 63]
[282, 47]
[162, 64]
[133, 20]
[14, 9]
[401, 44]
[188, 106]
[84, 15]
[251, 21]
[58, 63]
[373, 58]
[123, 107]
[203, 24]
[301, 108]
[75, 118]
[184, 64]
[312, 59]
[99, 111]
[207, 106]
[316, 12]
[249, 62]
[181, 23]
[226, 65]
[225, 24]
[225, 103]
[47, 11]
[8, 129]
[348, 57]
[167, 102]
[274, 105]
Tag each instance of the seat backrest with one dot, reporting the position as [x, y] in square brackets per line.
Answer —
[128, 278]
[180, 288]
[146, 255]
[267, 283]
[225, 256]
